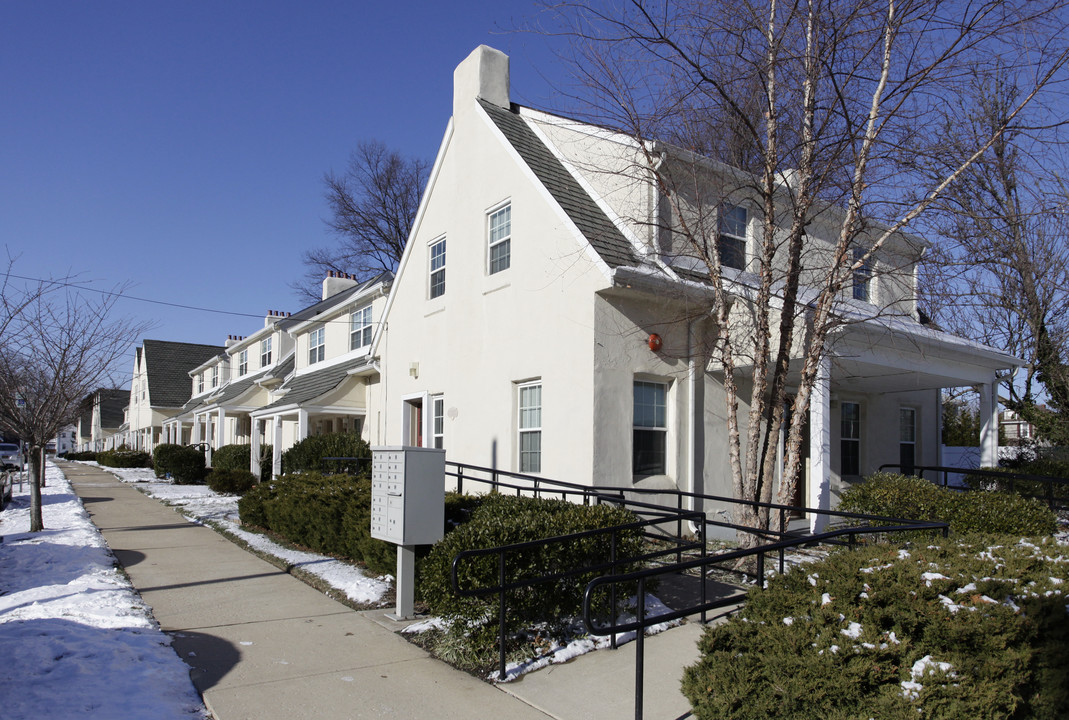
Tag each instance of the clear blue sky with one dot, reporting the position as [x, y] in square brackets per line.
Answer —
[181, 146]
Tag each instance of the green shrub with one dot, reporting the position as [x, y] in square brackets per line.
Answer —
[85, 456]
[1027, 488]
[913, 498]
[124, 459]
[307, 455]
[231, 457]
[161, 458]
[840, 638]
[231, 482]
[504, 520]
[187, 466]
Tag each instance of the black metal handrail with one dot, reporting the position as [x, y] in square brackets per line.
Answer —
[1010, 477]
[641, 577]
[504, 551]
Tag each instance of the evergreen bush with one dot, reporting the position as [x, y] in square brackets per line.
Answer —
[124, 459]
[913, 498]
[865, 634]
[308, 454]
[161, 458]
[505, 520]
[187, 466]
[85, 456]
[232, 457]
[230, 482]
[1027, 488]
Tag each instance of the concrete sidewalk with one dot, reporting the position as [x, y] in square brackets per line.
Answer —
[263, 645]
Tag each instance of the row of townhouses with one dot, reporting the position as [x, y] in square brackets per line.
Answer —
[536, 324]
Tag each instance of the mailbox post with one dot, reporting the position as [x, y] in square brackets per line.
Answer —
[407, 509]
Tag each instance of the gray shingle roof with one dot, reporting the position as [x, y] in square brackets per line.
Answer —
[333, 301]
[311, 385]
[168, 365]
[112, 404]
[599, 230]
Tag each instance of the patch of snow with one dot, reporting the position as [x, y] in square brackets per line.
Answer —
[852, 631]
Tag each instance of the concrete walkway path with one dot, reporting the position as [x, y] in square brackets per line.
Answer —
[262, 645]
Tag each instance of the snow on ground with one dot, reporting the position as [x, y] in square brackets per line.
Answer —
[75, 639]
[201, 504]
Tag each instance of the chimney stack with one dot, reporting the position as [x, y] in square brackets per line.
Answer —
[335, 282]
[483, 74]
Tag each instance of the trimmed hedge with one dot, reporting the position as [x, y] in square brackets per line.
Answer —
[86, 456]
[504, 520]
[187, 466]
[161, 458]
[1027, 488]
[914, 498]
[307, 455]
[862, 635]
[231, 482]
[124, 459]
[236, 457]
[327, 513]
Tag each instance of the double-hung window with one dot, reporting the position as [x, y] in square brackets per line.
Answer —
[243, 362]
[731, 236]
[360, 328]
[650, 431]
[316, 345]
[850, 439]
[907, 439]
[862, 276]
[530, 427]
[499, 239]
[200, 383]
[438, 422]
[437, 266]
[215, 376]
[265, 352]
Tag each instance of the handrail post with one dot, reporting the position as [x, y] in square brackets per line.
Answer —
[761, 570]
[702, 570]
[612, 586]
[501, 613]
[460, 479]
[640, 647]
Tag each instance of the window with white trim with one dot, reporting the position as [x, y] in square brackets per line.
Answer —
[530, 427]
[265, 352]
[360, 328]
[438, 422]
[317, 344]
[849, 438]
[215, 376]
[243, 362]
[200, 383]
[437, 269]
[650, 429]
[731, 236]
[862, 279]
[907, 439]
[499, 239]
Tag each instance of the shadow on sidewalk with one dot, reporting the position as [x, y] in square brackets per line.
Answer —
[209, 657]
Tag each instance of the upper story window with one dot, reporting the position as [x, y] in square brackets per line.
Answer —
[317, 345]
[243, 362]
[731, 236]
[215, 376]
[360, 328]
[862, 276]
[437, 269]
[265, 352]
[200, 383]
[650, 435]
[499, 239]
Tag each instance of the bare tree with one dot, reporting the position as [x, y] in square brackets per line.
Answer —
[825, 104]
[373, 204]
[1001, 272]
[56, 346]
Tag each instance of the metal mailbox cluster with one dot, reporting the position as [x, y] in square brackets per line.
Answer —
[407, 495]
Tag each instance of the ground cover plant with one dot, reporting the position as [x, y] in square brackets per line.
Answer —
[970, 627]
[913, 498]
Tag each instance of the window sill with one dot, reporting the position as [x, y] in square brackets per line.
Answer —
[654, 482]
[434, 311]
[493, 285]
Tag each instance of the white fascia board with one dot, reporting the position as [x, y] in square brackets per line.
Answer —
[870, 332]
[331, 362]
[278, 410]
[591, 253]
[417, 223]
[206, 364]
[380, 288]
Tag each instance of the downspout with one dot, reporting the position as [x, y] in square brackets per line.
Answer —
[695, 419]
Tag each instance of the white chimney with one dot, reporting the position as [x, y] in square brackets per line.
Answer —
[335, 282]
[483, 74]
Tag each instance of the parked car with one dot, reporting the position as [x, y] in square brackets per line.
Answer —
[10, 456]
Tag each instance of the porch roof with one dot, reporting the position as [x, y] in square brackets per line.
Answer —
[300, 389]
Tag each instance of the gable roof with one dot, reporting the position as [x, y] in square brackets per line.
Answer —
[599, 230]
[168, 364]
[336, 300]
[112, 405]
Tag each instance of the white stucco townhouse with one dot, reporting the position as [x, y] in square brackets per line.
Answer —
[517, 333]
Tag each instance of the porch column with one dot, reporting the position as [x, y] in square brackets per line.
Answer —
[276, 454]
[989, 424]
[195, 437]
[254, 447]
[820, 444]
[302, 425]
[220, 428]
[178, 430]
